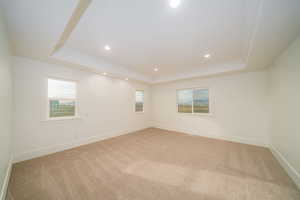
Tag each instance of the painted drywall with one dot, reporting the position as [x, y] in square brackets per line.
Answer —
[106, 109]
[285, 108]
[5, 106]
[238, 103]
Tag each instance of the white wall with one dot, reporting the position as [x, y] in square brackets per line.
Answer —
[239, 108]
[285, 101]
[5, 106]
[106, 108]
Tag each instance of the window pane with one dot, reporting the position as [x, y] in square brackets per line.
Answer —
[60, 89]
[139, 101]
[185, 101]
[62, 108]
[201, 101]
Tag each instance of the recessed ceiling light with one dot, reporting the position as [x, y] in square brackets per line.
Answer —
[155, 69]
[126, 79]
[207, 55]
[174, 3]
[104, 73]
[107, 48]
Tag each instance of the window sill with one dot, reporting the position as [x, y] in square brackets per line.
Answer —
[142, 112]
[197, 114]
[61, 118]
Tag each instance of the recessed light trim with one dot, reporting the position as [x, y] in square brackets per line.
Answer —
[126, 79]
[155, 69]
[174, 3]
[107, 48]
[207, 55]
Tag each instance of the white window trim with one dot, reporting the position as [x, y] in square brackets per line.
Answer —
[139, 112]
[197, 114]
[76, 116]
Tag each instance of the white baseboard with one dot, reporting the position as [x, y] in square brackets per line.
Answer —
[292, 172]
[220, 137]
[61, 147]
[6, 181]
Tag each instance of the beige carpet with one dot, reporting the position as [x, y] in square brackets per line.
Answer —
[154, 164]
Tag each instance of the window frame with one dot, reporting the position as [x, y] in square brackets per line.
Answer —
[143, 101]
[210, 105]
[76, 116]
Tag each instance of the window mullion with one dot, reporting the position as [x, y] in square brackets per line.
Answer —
[193, 103]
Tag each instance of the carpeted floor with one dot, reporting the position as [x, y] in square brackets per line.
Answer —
[154, 164]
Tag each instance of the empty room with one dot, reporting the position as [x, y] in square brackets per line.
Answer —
[149, 99]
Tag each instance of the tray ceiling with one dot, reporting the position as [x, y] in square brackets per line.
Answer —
[143, 35]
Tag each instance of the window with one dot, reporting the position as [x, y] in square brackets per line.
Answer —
[193, 101]
[139, 101]
[61, 98]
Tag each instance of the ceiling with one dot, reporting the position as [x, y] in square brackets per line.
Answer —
[143, 35]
